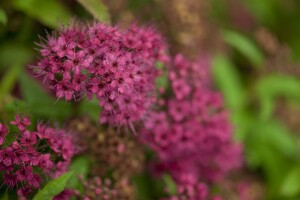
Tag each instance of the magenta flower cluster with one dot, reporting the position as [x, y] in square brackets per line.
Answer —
[117, 67]
[189, 129]
[192, 134]
[47, 149]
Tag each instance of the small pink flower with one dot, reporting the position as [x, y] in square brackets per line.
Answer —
[21, 122]
[44, 161]
[63, 48]
[24, 192]
[24, 173]
[64, 90]
[10, 180]
[181, 88]
[28, 138]
[7, 156]
[68, 149]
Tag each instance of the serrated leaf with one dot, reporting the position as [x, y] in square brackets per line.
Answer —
[97, 9]
[228, 80]
[291, 183]
[80, 166]
[244, 45]
[53, 188]
[171, 185]
[51, 13]
[3, 17]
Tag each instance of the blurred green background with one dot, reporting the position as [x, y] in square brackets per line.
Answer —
[255, 51]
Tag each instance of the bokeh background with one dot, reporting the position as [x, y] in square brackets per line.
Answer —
[255, 51]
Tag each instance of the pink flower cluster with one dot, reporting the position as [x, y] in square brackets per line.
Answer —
[192, 134]
[117, 67]
[46, 149]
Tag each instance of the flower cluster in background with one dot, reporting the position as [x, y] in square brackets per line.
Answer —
[101, 189]
[193, 136]
[117, 67]
[47, 149]
[109, 149]
[110, 152]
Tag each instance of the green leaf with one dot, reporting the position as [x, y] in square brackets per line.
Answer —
[264, 11]
[159, 65]
[5, 196]
[273, 86]
[171, 185]
[51, 13]
[97, 9]
[162, 80]
[291, 184]
[148, 188]
[53, 188]
[279, 85]
[137, 4]
[41, 103]
[242, 120]
[54, 111]
[244, 45]
[274, 168]
[90, 108]
[32, 91]
[272, 132]
[12, 53]
[9, 79]
[228, 80]
[3, 17]
[80, 166]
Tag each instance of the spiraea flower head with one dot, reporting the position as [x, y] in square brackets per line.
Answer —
[192, 134]
[116, 67]
[33, 151]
